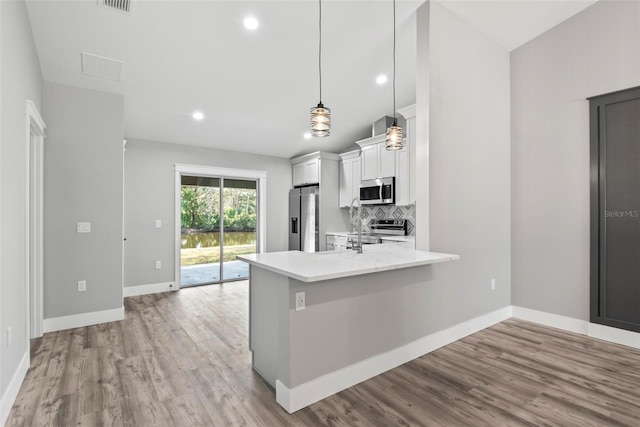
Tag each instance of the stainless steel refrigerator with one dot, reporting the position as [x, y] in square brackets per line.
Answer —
[304, 219]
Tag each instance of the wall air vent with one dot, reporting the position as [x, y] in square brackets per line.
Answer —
[99, 66]
[123, 6]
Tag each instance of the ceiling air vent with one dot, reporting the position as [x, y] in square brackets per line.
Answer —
[99, 66]
[123, 6]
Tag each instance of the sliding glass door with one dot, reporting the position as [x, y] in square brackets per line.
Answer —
[239, 225]
[219, 218]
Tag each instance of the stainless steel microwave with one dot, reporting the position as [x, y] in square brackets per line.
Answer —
[380, 191]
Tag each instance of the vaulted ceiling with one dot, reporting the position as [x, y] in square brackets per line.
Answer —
[255, 88]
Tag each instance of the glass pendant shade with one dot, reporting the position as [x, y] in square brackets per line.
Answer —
[320, 121]
[394, 132]
[394, 137]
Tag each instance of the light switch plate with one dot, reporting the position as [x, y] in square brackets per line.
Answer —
[158, 265]
[84, 227]
[158, 223]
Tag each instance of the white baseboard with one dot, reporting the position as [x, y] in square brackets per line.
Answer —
[594, 330]
[9, 396]
[83, 319]
[154, 288]
[618, 336]
[293, 399]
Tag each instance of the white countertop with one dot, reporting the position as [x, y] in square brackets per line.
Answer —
[316, 266]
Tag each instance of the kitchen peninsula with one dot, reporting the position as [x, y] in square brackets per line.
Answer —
[322, 322]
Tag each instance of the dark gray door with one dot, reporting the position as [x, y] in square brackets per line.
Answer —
[615, 209]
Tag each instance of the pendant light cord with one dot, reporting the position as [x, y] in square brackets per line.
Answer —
[394, 62]
[320, 46]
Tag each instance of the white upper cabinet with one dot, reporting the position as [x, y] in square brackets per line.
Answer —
[312, 171]
[298, 174]
[370, 167]
[387, 160]
[306, 172]
[405, 160]
[376, 160]
[350, 176]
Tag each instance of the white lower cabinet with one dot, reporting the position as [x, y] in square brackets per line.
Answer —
[336, 242]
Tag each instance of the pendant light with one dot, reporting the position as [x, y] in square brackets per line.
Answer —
[394, 132]
[320, 115]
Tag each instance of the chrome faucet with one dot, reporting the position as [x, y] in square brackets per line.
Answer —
[358, 246]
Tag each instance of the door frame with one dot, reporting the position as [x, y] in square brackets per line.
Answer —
[34, 200]
[598, 230]
[219, 172]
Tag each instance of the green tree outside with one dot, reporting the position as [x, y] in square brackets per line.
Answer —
[200, 208]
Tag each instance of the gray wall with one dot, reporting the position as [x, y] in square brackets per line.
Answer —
[150, 194]
[21, 79]
[595, 52]
[83, 182]
[467, 167]
[355, 318]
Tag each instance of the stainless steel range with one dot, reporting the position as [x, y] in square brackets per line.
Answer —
[379, 228]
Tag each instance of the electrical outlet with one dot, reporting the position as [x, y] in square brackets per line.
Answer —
[82, 285]
[493, 284]
[158, 223]
[158, 265]
[9, 337]
[300, 303]
[83, 227]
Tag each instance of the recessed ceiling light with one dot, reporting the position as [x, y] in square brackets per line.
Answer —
[307, 135]
[251, 23]
[381, 79]
[198, 116]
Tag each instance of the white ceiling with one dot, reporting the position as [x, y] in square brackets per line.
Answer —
[256, 88]
[512, 23]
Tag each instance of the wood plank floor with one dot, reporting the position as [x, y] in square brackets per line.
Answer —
[181, 359]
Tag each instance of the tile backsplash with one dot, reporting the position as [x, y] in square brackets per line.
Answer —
[386, 212]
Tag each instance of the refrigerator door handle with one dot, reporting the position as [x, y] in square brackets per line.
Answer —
[294, 225]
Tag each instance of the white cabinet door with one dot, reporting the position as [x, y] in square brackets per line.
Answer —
[306, 173]
[355, 179]
[387, 161]
[378, 162]
[370, 167]
[298, 174]
[403, 181]
[346, 185]
[405, 160]
[350, 176]
[312, 172]
[405, 167]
